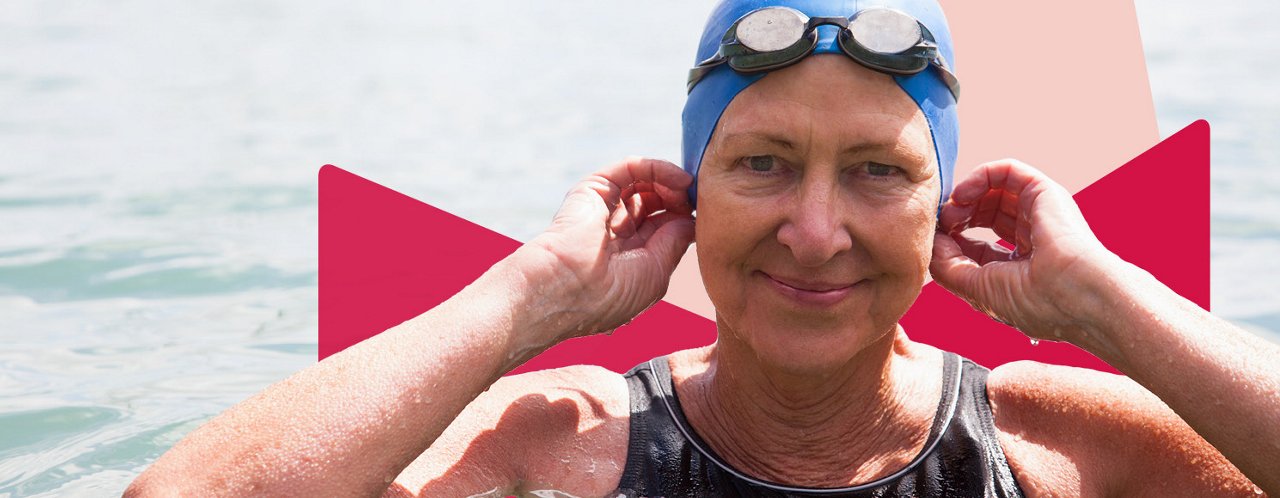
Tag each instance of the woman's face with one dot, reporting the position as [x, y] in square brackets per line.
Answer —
[817, 199]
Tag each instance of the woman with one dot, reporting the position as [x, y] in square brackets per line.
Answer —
[819, 218]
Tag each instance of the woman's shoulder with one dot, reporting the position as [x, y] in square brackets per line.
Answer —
[1092, 433]
[585, 393]
[570, 419]
[1033, 385]
[564, 428]
[1030, 397]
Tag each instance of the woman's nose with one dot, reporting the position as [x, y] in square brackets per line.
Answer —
[814, 230]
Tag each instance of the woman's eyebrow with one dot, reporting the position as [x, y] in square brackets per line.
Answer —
[756, 136]
[870, 145]
[782, 141]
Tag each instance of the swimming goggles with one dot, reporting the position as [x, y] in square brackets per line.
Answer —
[880, 38]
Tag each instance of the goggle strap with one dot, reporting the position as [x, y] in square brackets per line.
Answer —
[948, 77]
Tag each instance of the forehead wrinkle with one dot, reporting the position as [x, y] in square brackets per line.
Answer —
[753, 126]
[770, 118]
[796, 106]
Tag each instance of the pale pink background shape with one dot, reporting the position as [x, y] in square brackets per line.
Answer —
[1059, 85]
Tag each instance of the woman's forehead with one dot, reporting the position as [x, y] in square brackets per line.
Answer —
[828, 98]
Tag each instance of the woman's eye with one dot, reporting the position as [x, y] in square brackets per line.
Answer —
[762, 164]
[876, 169]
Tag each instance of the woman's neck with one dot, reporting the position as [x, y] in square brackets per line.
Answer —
[845, 425]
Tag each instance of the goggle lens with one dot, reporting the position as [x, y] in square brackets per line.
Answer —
[769, 30]
[885, 31]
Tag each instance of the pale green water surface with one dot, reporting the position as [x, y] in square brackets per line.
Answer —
[157, 181]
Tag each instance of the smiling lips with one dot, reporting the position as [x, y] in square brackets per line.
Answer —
[813, 293]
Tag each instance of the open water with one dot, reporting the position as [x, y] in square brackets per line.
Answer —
[158, 161]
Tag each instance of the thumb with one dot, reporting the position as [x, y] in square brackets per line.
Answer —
[671, 239]
[582, 207]
[952, 269]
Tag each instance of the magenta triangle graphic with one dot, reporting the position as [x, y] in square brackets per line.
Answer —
[386, 257]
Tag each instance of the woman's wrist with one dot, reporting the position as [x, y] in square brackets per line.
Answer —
[545, 302]
[1111, 298]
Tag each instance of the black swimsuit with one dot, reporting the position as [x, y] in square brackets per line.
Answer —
[961, 457]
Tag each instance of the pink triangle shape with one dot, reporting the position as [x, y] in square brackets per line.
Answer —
[1152, 212]
[386, 257]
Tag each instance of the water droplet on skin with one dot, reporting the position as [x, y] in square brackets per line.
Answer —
[551, 493]
[492, 493]
[1257, 490]
[1035, 342]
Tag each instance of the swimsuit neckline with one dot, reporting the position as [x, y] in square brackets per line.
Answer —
[942, 418]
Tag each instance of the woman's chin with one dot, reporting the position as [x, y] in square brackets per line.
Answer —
[810, 350]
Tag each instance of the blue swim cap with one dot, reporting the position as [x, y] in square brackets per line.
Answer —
[709, 98]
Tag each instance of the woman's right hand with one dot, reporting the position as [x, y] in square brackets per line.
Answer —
[349, 425]
[613, 245]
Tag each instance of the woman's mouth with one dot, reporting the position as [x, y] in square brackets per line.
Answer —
[810, 292]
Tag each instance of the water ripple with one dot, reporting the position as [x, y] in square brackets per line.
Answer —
[33, 427]
[135, 269]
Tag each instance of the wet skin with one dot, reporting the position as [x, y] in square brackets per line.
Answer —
[810, 257]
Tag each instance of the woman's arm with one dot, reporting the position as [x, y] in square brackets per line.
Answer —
[1060, 283]
[1222, 381]
[348, 425]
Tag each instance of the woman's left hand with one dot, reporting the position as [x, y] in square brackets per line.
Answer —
[1061, 284]
[1044, 285]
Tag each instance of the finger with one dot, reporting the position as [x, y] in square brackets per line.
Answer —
[672, 234]
[955, 217]
[998, 195]
[977, 212]
[1041, 205]
[1006, 227]
[1007, 174]
[605, 193]
[993, 204]
[581, 206]
[621, 222]
[669, 181]
[976, 185]
[651, 224]
[1022, 234]
[966, 278]
[991, 191]
[643, 204]
[951, 268]
[637, 207]
[988, 208]
[1050, 205]
[625, 217]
